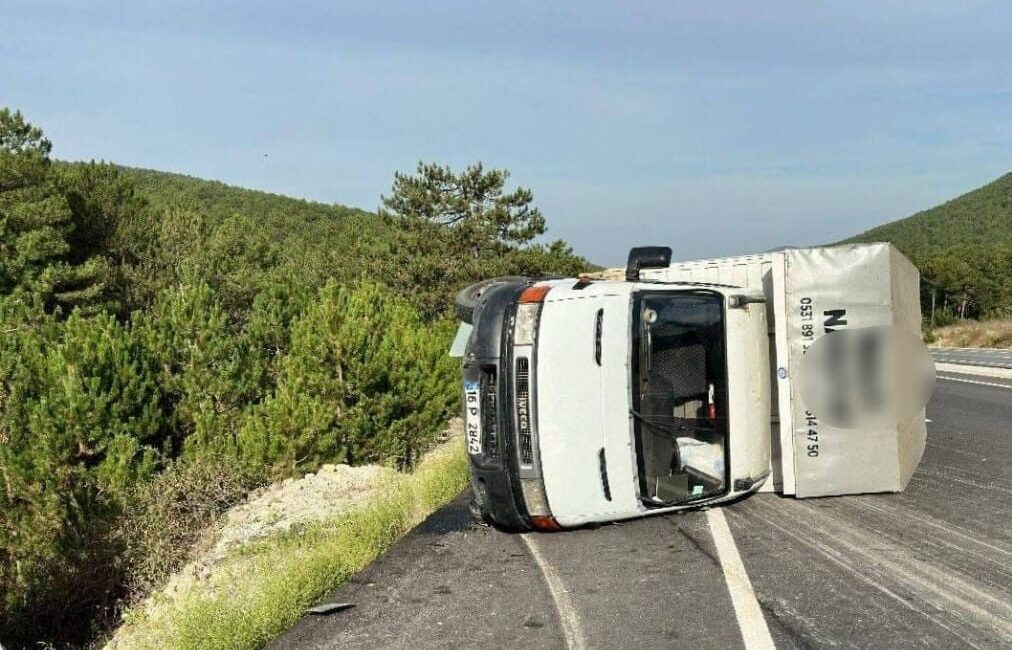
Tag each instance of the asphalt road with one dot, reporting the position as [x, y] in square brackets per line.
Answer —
[928, 568]
[988, 357]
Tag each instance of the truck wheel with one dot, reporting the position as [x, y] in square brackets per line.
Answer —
[469, 296]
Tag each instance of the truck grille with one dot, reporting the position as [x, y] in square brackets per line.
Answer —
[489, 413]
[523, 400]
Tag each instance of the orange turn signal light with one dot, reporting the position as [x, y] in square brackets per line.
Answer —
[545, 523]
[535, 294]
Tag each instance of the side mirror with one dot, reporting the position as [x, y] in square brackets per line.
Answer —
[646, 257]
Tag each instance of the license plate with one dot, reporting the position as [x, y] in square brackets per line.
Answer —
[472, 413]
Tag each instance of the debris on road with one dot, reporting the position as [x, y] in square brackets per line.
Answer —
[329, 608]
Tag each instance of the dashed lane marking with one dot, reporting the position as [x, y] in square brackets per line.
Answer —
[754, 631]
[560, 597]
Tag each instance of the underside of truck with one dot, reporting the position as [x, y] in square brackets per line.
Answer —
[680, 396]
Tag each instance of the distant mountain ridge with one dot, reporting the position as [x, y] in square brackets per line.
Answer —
[171, 189]
[963, 249]
[981, 217]
[245, 230]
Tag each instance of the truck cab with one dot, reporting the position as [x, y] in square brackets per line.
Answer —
[596, 400]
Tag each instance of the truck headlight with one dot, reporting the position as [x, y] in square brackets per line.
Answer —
[537, 505]
[534, 497]
[526, 324]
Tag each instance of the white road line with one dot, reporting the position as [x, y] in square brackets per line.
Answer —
[980, 371]
[754, 631]
[1000, 363]
[980, 350]
[979, 383]
[567, 613]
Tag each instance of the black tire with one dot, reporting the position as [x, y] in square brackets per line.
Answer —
[469, 296]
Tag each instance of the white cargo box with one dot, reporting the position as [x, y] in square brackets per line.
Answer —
[852, 286]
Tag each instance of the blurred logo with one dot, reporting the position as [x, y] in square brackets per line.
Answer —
[866, 377]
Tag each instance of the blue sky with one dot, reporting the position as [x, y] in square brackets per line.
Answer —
[714, 127]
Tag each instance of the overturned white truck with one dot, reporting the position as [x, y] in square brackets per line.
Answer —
[663, 386]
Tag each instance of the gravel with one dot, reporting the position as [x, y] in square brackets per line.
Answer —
[292, 503]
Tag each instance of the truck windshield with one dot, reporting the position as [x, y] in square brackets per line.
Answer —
[679, 396]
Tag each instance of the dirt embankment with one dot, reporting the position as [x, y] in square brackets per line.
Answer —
[240, 540]
[275, 509]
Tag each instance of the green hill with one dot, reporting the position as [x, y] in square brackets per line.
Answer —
[171, 343]
[963, 248]
[283, 217]
[238, 240]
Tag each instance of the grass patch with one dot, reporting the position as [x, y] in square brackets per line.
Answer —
[975, 334]
[262, 591]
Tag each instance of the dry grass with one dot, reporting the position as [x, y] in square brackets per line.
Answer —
[169, 515]
[975, 334]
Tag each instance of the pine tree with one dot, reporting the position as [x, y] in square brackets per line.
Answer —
[365, 379]
[449, 229]
[472, 203]
[80, 425]
[37, 226]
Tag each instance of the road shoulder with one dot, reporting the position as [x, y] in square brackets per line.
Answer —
[447, 584]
